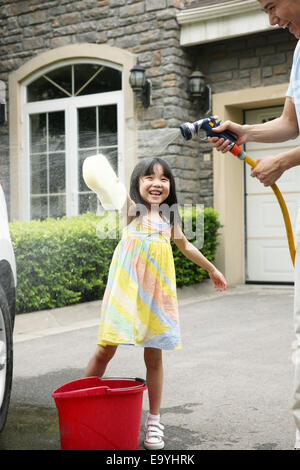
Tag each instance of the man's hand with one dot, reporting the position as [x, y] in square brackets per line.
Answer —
[222, 145]
[267, 170]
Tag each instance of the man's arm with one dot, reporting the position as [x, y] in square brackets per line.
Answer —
[278, 130]
[270, 168]
[284, 128]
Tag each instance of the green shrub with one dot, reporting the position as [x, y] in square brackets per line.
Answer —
[66, 261]
[187, 272]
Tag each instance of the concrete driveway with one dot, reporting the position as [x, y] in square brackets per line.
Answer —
[229, 387]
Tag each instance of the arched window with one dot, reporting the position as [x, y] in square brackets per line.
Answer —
[74, 80]
[70, 111]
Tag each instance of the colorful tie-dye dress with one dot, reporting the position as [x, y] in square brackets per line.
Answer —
[140, 304]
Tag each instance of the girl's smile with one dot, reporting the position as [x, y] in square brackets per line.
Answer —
[154, 188]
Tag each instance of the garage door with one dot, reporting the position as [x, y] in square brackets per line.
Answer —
[267, 252]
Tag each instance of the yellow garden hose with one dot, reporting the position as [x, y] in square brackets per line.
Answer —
[285, 213]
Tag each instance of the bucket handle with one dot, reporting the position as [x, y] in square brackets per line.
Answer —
[83, 392]
[143, 384]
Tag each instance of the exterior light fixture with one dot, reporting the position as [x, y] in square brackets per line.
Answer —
[139, 83]
[2, 111]
[200, 91]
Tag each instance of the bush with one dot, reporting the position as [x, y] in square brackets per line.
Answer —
[187, 272]
[66, 261]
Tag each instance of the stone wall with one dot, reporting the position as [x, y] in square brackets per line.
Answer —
[258, 60]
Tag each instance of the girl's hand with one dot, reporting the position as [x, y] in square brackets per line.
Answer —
[218, 279]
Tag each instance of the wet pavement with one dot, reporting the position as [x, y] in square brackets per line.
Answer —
[31, 428]
[229, 387]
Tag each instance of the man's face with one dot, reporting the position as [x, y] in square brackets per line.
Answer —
[284, 13]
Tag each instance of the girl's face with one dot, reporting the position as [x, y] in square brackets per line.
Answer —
[155, 188]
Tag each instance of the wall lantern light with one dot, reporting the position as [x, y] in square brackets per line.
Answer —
[139, 83]
[200, 91]
[2, 111]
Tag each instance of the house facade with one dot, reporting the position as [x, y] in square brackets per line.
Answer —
[64, 78]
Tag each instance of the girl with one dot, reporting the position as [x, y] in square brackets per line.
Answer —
[139, 304]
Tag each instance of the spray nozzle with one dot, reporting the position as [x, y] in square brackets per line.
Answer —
[189, 130]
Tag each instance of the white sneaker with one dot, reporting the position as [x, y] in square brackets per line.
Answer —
[154, 433]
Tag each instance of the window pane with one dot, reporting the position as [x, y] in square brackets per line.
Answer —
[57, 206]
[108, 125]
[81, 157]
[63, 77]
[107, 79]
[57, 173]
[38, 167]
[56, 131]
[41, 90]
[87, 136]
[112, 156]
[39, 207]
[38, 133]
[88, 203]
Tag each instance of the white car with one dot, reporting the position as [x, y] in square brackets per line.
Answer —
[7, 310]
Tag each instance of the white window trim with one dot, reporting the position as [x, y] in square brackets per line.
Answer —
[221, 21]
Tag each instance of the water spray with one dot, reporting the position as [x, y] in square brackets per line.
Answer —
[190, 130]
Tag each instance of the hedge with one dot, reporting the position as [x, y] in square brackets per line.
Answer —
[66, 261]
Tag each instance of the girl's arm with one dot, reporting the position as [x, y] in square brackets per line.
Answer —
[194, 255]
[128, 210]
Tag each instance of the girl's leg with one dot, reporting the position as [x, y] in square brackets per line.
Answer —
[99, 361]
[154, 430]
[154, 378]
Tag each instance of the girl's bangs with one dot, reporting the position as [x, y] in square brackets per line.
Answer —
[148, 170]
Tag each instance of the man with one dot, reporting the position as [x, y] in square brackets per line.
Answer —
[286, 14]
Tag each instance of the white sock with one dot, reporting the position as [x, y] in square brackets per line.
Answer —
[151, 417]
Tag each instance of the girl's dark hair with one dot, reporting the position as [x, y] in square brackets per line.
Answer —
[169, 208]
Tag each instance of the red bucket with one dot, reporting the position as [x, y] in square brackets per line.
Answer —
[100, 414]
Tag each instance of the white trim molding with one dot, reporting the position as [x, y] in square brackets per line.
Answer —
[221, 21]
